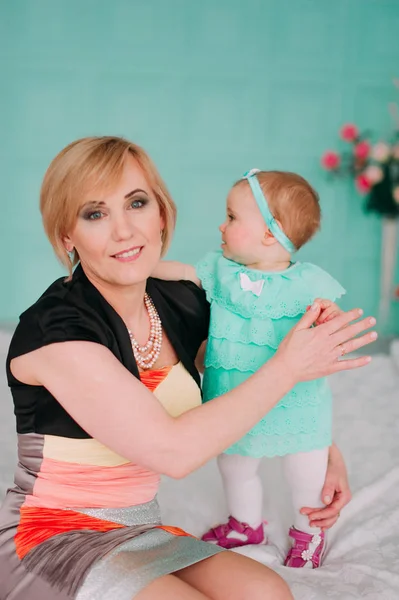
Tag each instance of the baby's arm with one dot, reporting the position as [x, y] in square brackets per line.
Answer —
[200, 358]
[172, 270]
[328, 312]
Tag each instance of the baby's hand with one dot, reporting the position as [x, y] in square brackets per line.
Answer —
[329, 310]
[171, 270]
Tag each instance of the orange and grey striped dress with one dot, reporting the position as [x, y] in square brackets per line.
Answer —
[82, 522]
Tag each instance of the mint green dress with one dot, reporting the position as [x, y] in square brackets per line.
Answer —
[251, 312]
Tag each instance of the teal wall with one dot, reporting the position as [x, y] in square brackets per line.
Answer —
[210, 88]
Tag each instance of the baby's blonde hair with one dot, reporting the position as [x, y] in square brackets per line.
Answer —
[292, 201]
[90, 164]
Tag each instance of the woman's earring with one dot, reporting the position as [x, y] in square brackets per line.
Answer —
[71, 255]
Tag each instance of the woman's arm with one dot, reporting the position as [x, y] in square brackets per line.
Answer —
[116, 408]
[335, 494]
[171, 270]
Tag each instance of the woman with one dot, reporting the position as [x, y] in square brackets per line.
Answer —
[107, 396]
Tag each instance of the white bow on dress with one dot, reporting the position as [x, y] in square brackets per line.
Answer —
[248, 285]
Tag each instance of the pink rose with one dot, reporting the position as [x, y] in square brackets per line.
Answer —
[374, 174]
[381, 152]
[363, 184]
[330, 160]
[349, 132]
[362, 149]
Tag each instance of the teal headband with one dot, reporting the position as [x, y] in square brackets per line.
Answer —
[270, 221]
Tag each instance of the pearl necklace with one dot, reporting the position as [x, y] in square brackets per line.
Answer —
[147, 355]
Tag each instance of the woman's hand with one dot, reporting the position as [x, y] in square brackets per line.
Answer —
[335, 494]
[311, 352]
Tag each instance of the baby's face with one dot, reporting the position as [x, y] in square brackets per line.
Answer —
[244, 228]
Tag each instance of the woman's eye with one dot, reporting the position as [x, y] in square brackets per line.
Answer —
[230, 217]
[94, 216]
[137, 203]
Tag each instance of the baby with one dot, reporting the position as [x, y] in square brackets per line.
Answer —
[257, 294]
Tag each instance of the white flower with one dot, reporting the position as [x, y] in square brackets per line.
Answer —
[307, 555]
[395, 193]
[380, 152]
[374, 174]
[316, 539]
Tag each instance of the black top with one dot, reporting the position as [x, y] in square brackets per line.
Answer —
[75, 310]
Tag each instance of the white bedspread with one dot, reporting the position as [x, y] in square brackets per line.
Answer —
[362, 559]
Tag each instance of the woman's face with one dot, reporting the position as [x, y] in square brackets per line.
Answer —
[118, 233]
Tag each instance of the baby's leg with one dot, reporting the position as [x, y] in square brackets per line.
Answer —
[243, 487]
[305, 473]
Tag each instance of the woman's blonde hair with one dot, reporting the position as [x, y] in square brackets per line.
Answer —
[93, 163]
[292, 201]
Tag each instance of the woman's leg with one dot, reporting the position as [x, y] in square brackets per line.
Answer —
[170, 587]
[305, 473]
[235, 577]
[242, 487]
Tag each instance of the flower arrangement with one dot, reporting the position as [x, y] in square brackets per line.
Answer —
[375, 168]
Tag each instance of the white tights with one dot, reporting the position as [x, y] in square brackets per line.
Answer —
[305, 473]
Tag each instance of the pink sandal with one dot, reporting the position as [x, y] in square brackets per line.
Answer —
[234, 534]
[306, 551]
